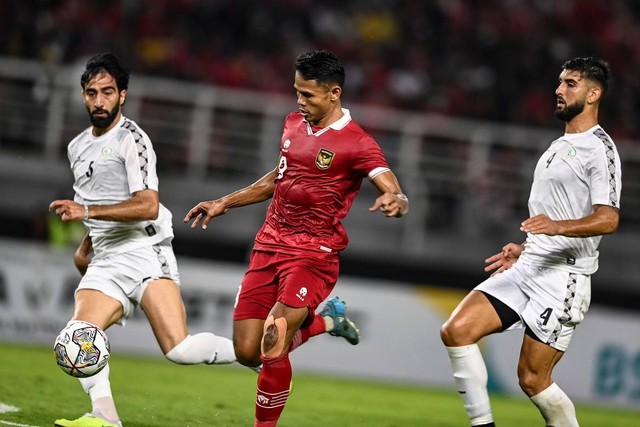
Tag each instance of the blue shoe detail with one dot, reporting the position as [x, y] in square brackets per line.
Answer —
[342, 325]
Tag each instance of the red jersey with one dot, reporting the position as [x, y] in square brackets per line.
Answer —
[319, 176]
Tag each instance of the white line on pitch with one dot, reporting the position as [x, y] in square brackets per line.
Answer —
[4, 408]
[9, 423]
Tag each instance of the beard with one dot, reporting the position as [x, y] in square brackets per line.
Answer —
[569, 111]
[103, 122]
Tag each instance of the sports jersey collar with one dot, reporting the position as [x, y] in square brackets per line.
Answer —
[337, 125]
[591, 130]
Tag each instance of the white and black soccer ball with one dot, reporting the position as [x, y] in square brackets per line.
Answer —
[81, 349]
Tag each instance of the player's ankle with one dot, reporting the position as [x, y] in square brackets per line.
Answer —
[329, 323]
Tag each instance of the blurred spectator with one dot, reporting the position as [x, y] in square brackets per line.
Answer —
[470, 58]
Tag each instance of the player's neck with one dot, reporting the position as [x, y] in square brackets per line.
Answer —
[581, 123]
[333, 116]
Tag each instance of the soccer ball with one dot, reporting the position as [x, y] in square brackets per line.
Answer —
[81, 349]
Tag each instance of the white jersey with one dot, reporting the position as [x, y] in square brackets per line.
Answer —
[108, 169]
[578, 170]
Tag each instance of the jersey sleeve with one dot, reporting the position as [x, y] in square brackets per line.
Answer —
[369, 157]
[140, 162]
[605, 176]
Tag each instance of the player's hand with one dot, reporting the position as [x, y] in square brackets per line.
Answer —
[503, 260]
[68, 210]
[204, 212]
[391, 205]
[541, 224]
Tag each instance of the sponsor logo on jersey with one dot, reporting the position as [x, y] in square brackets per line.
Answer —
[106, 152]
[541, 326]
[285, 146]
[302, 293]
[324, 158]
[150, 229]
[572, 151]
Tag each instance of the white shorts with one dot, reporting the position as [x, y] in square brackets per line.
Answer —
[125, 276]
[550, 301]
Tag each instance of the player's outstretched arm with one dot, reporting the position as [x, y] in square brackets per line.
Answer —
[143, 205]
[391, 202]
[603, 220]
[505, 259]
[259, 191]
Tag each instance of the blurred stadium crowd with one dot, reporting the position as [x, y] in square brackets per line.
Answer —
[485, 59]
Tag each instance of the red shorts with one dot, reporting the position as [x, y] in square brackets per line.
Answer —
[294, 280]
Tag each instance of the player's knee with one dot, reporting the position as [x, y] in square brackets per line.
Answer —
[459, 331]
[531, 382]
[247, 350]
[445, 334]
[451, 333]
[273, 337]
[247, 356]
[528, 384]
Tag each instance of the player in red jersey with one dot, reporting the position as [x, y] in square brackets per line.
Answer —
[324, 156]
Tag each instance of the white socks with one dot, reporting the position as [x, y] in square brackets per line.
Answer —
[470, 375]
[204, 347]
[199, 348]
[556, 407]
[98, 387]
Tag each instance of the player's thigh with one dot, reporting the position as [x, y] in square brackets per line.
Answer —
[125, 276]
[472, 319]
[103, 291]
[162, 304]
[492, 306]
[95, 307]
[258, 290]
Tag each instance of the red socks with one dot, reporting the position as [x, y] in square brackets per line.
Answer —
[317, 327]
[274, 382]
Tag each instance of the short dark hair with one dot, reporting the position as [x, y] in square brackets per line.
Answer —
[109, 63]
[591, 68]
[321, 66]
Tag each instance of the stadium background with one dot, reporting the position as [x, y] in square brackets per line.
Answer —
[458, 93]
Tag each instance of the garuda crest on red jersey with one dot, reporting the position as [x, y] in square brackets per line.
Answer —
[324, 158]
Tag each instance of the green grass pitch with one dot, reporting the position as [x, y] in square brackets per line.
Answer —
[152, 392]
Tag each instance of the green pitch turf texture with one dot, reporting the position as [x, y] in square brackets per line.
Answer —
[152, 392]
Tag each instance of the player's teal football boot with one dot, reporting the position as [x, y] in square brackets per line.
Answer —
[342, 325]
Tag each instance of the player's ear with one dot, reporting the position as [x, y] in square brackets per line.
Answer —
[594, 95]
[123, 97]
[335, 92]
